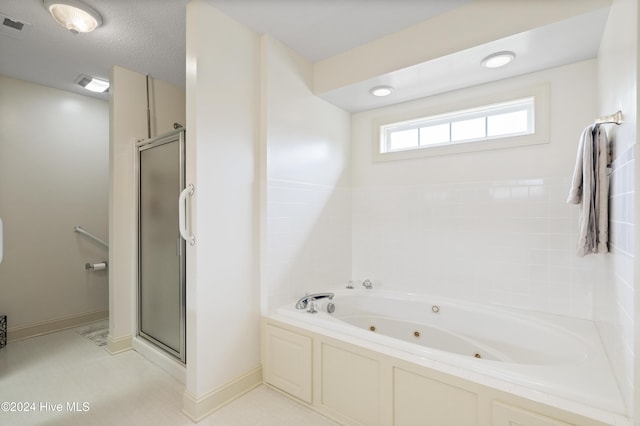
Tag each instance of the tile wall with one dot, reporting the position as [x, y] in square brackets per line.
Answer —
[614, 307]
[509, 242]
[308, 240]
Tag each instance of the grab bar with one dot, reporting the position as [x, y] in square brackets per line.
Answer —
[81, 230]
[182, 223]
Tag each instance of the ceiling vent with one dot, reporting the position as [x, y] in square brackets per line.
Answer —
[16, 25]
[13, 27]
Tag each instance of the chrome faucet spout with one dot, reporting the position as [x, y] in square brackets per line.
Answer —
[304, 301]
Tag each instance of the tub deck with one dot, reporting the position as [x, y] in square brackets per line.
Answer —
[580, 381]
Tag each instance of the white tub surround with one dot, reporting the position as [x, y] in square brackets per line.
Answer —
[533, 366]
[305, 191]
[616, 308]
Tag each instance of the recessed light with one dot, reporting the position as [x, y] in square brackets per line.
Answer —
[93, 84]
[381, 91]
[498, 59]
[74, 15]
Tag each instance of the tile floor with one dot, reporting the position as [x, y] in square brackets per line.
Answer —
[67, 372]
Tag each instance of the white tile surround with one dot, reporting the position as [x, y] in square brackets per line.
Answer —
[509, 242]
[308, 239]
[617, 87]
[614, 309]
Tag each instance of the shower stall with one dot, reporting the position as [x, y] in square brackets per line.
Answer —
[161, 250]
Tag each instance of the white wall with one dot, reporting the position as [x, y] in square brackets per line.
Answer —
[223, 333]
[488, 226]
[307, 142]
[53, 177]
[616, 313]
[128, 124]
[128, 121]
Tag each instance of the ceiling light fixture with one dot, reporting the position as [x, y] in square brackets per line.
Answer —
[74, 15]
[93, 84]
[498, 59]
[381, 91]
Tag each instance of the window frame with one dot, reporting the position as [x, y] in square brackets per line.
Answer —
[461, 110]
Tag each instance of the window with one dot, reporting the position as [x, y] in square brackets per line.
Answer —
[496, 121]
[488, 122]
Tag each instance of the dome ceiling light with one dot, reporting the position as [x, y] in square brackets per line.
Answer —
[74, 15]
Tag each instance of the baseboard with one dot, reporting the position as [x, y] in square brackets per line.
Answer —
[46, 327]
[199, 408]
[119, 344]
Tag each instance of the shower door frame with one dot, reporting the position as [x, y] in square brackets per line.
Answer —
[169, 137]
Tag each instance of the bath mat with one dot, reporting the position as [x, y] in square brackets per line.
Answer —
[97, 332]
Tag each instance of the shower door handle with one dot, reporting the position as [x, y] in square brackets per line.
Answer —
[182, 223]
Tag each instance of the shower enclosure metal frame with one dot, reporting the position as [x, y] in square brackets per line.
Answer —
[169, 137]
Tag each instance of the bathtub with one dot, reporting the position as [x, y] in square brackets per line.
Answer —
[548, 358]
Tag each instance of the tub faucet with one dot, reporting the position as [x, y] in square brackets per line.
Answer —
[304, 300]
[367, 284]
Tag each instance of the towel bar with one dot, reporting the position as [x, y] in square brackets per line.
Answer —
[613, 118]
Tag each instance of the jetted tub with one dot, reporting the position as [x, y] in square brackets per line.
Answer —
[528, 353]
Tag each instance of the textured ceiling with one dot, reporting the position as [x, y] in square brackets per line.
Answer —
[148, 36]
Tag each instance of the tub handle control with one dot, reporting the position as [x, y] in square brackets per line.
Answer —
[312, 306]
[331, 307]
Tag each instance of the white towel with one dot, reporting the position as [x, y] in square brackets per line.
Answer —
[590, 188]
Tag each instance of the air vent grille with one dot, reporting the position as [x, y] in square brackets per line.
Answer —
[16, 25]
[13, 27]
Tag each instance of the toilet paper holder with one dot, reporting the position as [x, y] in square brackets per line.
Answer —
[96, 266]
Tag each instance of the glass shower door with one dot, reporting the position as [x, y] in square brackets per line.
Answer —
[161, 251]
